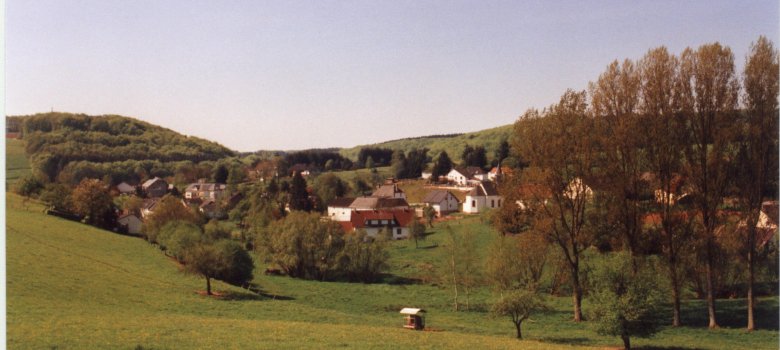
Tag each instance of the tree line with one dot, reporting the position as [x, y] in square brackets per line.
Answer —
[666, 159]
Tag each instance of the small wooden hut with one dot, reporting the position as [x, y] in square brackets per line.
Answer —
[413, 318]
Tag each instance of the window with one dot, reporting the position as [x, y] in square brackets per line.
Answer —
[384, 222]
[499, 203]
[492, 203]
[374, 222]
[473, 203]
[398, 231]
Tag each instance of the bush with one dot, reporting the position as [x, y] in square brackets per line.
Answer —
[28, 186]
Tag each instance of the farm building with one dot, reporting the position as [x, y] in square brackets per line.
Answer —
[374, 221]
[442, 201]
[413, 318]
[130, 223]
[485, 195]
[155, 187]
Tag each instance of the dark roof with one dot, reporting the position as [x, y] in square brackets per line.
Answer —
[485, 188]
[368, 203]
[342, 202]
[387, 190]
[397, 218]
[124, 187]
[151, 182]
[437, 196]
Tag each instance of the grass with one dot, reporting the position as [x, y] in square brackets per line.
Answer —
[67, 280]
[16, 164]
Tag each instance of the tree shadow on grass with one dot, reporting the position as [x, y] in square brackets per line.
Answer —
[730, 313]
[397, 280]
[259, 294]
[568, 341]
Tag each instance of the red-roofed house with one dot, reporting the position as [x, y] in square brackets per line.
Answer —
[374, 221]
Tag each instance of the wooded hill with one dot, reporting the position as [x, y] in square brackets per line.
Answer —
[69, 147]
[453, 144]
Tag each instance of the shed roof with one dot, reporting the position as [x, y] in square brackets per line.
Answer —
[437, 196]
[411, 311]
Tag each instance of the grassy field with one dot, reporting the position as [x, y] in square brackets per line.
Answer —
[72, 286]
[16, 164]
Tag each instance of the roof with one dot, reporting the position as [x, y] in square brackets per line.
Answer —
[149, 203]
[342, 202]
[128, 215]
[124, 187]
[411, 311]
[152, 182]
[485, 188]
[205, 186]
[772, 211]
[387, 190]
[378, 203]
[437, 196]
[397, 218]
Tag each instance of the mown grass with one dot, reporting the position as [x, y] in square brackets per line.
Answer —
[16, 164]
[72, 286]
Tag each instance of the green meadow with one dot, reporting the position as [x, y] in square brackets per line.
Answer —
[16, 164]
[71, 286]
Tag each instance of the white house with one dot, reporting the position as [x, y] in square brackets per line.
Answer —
[339, 210]
[466, 176]
[485, 195]
[442, 201]
[204, 190]
[131, 223]
[125, 188]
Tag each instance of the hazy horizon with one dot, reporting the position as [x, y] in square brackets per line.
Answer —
[297, 75]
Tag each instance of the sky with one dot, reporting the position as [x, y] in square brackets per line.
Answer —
[262, 75]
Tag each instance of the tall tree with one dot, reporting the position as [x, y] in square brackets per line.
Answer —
[615, 100]
[560, 150]
[299, 195]
[91, 200]
[707, 91]
[663, 142]
[757, 160]
[442, 166]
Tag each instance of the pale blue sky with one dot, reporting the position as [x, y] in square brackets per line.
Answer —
[299, 74]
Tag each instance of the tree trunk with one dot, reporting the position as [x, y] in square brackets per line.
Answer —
[626, 342]
[676, 305]
[710, 292]
[454, 281]
[576, 294]
[208, 286]
[751, 302]
[519, 333]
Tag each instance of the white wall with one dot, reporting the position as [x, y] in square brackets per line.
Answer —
[339, 214]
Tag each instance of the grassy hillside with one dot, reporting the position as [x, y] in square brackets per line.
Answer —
[16, 164]
[489, 138]
[72, 286]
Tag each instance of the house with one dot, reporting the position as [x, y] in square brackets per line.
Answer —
[441, 201]
[577, 188]
[125, 188]
[204, 190]
[389, 189]
[155, 188]
[130, 223]
[148, 206]
[339, 210]
[497, 172]
[676, 192]
[374, 221]
[301, 168]
[211, 209]
[464, 175]
[426, 175]
[485, 195]
[766, 226]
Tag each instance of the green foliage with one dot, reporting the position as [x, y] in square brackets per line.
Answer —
[215, 230]
[474, 156]
[55, 140]
[417, 231]
[328, 186]
[299, 194]
[442, 166]
[363, 258]
[518, 305]
[237, 264]
[168, 209]
[629, 304]
[452, 144]
[28, 186]
[303, 246]
[460, 264]
[177, 237]
[91, 200]
[57, 195]
[204, 260]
